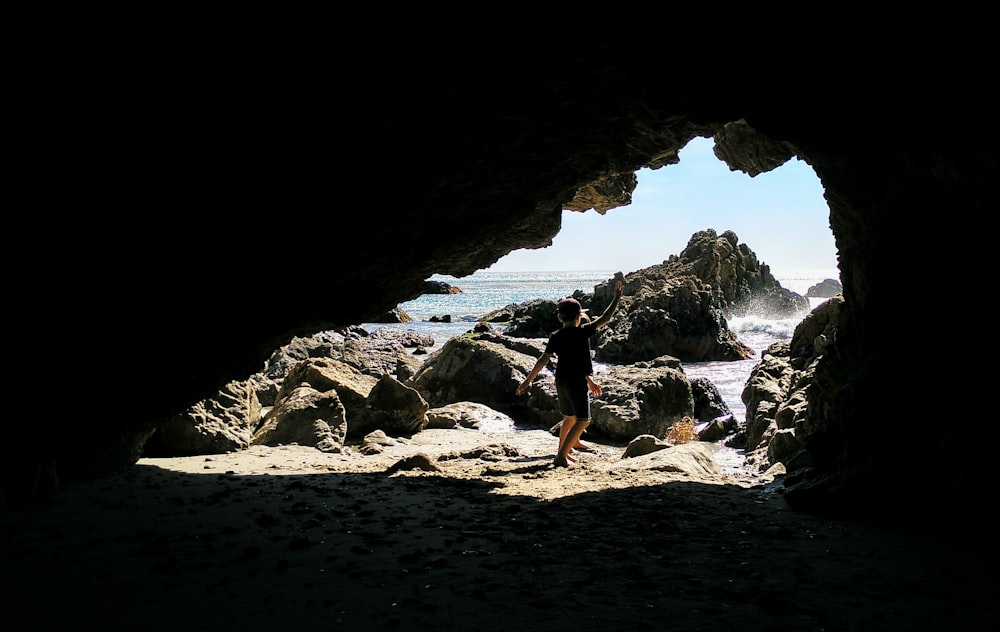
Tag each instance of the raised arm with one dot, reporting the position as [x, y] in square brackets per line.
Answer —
[605, 318]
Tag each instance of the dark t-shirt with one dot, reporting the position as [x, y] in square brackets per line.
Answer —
[571, 346]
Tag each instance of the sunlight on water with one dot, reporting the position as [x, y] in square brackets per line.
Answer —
[486, 291]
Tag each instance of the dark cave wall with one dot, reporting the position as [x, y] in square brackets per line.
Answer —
[261, 214]
[884, 403]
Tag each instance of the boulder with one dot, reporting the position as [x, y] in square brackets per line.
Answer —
[468, 415]
[827, 288]
[211, 426]
[325, 374]
[646, 398]
[474, 370]
[305, 416]
[391, 406]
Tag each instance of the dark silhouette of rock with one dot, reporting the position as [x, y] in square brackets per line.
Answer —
[825, 289]
[440, 287]
[394, 315]
[783, 387]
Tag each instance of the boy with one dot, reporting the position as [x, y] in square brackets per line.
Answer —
[571, 346]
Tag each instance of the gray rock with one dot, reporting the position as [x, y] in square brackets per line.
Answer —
[306, 417]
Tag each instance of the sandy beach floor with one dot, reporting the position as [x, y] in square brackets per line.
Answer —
[464, 530]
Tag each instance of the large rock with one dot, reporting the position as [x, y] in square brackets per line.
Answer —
[782, 390]
[325, 374]
[212, 426]
[646, 398]
[825, 289]
[648, 452]
[305, 416]
[677, 308]
[466, 369]
[391, 407]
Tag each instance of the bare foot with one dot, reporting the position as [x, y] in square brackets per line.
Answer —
[583, 447]
[570, 457]
[560, 462]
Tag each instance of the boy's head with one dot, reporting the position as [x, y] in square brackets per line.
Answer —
[569, 309]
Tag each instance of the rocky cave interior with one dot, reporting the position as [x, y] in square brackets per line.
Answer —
[264, 208]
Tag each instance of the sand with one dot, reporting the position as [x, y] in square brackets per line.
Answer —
[490, 536]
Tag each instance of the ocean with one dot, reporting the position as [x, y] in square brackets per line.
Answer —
[487, 290]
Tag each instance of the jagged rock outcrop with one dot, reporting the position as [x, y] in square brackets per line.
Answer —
[708, 402]
[384, 351]
[677, 308]
[533, 319]
[782, 388]
[382, 403]
[499, 153]
[327, 374]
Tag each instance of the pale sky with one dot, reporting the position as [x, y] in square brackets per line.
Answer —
[780, 215]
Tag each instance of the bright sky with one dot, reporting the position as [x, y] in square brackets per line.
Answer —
[780, 215]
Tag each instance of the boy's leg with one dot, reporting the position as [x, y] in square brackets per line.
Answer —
[568, 422]
[572, 436]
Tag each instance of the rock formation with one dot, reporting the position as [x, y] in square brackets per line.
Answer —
[677, 308]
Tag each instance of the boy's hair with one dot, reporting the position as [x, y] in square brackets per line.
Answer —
[569, 309]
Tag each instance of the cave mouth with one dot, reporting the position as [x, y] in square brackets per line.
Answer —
[783, 211]
[781, 215]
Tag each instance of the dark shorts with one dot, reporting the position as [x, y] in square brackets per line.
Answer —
[574, 398]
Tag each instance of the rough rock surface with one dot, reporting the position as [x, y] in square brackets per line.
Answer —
[677, 308]
[305, 416]
[223, 423]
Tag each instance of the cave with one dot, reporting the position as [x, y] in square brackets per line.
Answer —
[233, 212]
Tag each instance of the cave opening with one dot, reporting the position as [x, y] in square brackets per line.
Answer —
[781, 215]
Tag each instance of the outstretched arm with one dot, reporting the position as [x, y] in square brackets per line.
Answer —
[605, 318]
[542, 361]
